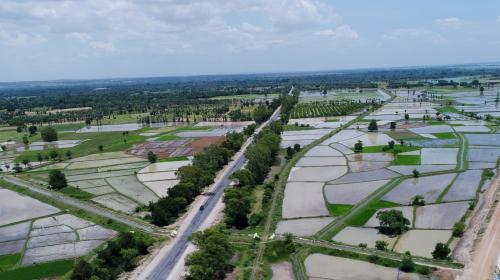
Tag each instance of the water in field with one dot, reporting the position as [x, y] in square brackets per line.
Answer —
[39, 146]
[110, 128]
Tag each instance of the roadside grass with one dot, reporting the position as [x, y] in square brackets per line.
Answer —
[76, 193]
[111, 142]
[445, 135]
[397, 149]
[406, 160]
[436, 122]
[39, 271]
[258, 194]
[9, 261]
[404, 135]
[339, 209]
[360, 218]
[292, 127]
[168, 159]
[167, 137]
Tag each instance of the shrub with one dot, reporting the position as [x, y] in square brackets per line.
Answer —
[57, 179]
[358, 147]
[416, 174]
[407, 264]
[152, 158]
[441, 251]
[458, 229]
[381, 245]
[373, 126]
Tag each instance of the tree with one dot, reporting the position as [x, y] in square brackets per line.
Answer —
[212, 259]
[441, 251]
[49, 134]
[68, 154]
[237, 208]
[390, 144]
[100, 148]
[152, 158]
[296, 148]
[39, 157]
[289, 152]
[392, 222]
[373, 125]
[416, 174]
[17, 168]
[243, 177]
[57, 179]
[26, 162]
[458, 229]
[20, 129]
[381, 245]
[418, 200]
[25, 140]
[32, 129]
[393, 125]
[53, 154]
[407, 264]
[82, 271]
[407, 116]
[358, 147]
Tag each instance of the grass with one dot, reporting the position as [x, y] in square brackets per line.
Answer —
[397, 149]
[448, 109]
[403, 135]
[168, 159]
[167, 137]
[445, 135]
[257, 205]
[291, 127]
[39, 271]
[406, 160]
[339, 209]
[111, 142]
[360, 218]
[76, 193]
[8, 261]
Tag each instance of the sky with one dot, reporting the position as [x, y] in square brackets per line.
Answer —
[57, 39]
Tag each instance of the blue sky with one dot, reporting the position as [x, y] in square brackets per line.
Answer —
[53, 39]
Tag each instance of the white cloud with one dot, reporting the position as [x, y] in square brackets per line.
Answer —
[340, 32]
[413, 34]
[250, 27]
[448, 22]
[106, 46]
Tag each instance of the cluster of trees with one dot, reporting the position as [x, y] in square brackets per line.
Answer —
[261, 155]
[118, 256]
[330, 108]
[212, 259]
[194, 178]
[392, 222]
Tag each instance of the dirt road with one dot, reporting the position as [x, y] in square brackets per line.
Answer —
[486, 250]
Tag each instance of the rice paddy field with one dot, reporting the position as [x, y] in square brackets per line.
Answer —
[449, 155]
[36, 232]
[117, 180]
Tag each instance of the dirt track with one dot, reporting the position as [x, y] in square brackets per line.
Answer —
[484, 252]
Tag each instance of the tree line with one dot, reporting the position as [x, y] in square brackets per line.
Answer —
[195, 177]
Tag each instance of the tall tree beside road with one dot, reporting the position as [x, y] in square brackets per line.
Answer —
[212, 260]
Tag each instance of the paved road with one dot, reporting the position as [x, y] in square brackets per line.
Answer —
[94, 209]
[168, 261]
